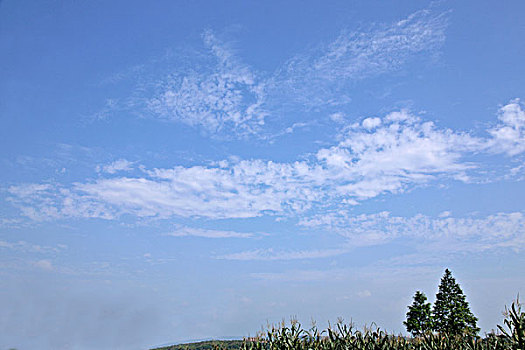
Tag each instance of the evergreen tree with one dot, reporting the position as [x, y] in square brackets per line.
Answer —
[451, 313]
[419, 316]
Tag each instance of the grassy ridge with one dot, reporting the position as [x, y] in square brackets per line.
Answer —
[206, 345]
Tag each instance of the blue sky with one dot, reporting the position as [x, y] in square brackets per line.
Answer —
[188, 170]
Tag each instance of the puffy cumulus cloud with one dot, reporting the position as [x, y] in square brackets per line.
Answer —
[222, 96]
[385, 155]
[501, 230]
[370, 123]
[509, 135]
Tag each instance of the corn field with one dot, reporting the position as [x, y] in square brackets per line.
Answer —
[345, 337]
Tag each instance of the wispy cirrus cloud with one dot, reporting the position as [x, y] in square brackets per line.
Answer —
[271, 254]
[472, 234]
[302, 275]
[319, 77]
[354, 55]
[381, 270]
[431, 237]
[213, 90]
[184, 231]
[26, 247]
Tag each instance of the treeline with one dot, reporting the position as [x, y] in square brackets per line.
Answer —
[510, 336]
[450, 315]
[346, 337]
[449, 324]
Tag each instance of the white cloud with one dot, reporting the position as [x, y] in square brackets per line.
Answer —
[44, 265]
[364, 293]
[386, 155]
[116, 166]
[357, 54]
[337, 117]
[364, 165]
[400, 151]
[319, 77]
[214, 91]
[224, 94]
[302, 275]
[270, 254]
[370, 123]
[221, 96]
[502, 230]
[198, 232]
[52, 202]
[26, 247]
[29, 189]
[194, 191]
[509, 135]
[294, 126]
[376, 156]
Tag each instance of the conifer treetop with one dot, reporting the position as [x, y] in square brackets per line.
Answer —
[419, 316]
[451, 312]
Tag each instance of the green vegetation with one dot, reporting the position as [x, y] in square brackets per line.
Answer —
[515, 323]
[345, 337]
[206, 345]
[419, 315]
[450, 326]
[451, 314]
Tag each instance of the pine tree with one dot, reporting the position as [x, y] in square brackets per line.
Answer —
[451, 313]
[419, 317]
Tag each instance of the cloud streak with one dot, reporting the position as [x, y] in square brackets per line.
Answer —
[273, 255]
[432, 238]
[26, 247]
[184, 231]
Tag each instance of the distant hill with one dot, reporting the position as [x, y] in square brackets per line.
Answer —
[205, 345]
